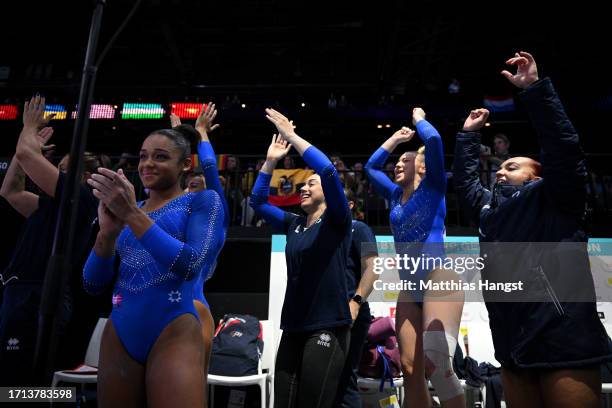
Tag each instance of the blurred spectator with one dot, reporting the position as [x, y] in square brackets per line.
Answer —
[454, 87]
[390, 170]
[359, 183]
[232, 163]
[332, 103]
[128, 162]
[232, 185]
[227, 103]
[105, 161]
[249, 218]
[288, 163]
[491, 163]
[194, 181]
[341, 168]
[357, 210]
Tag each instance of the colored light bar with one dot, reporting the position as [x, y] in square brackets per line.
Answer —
[186, 110]
[58, 110]
[8, 112]
[142, 111]
[98, 112]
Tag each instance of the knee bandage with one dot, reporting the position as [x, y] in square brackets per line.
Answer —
[439, 348]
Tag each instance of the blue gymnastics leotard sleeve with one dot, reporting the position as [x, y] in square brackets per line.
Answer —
[382, 183]
[276, 217]
[211, 175]
[98, 273]
[337, 205]
[208, 163]
[434, 155]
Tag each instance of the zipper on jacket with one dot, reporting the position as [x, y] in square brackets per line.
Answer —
[550, 291]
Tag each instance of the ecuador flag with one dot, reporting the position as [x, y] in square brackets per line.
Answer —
[285, 186]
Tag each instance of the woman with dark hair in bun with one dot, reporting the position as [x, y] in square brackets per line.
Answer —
[210, 179]
[152, 350]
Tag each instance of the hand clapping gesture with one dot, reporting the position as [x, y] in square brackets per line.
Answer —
[43, 137]
[114, 191]
[34, 113]
[283, 125]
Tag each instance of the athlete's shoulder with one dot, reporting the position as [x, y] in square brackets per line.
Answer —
[205, 199]
[361, 228]
[205, 195]
[359, 225]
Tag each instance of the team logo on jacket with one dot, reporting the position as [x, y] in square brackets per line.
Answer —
[324, 340]
[12, 344]
[236, 333]
[117, 299]
[174, 296]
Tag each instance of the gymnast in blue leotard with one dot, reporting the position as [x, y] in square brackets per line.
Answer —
[208, 163]
[152, 347]
[204, 125]
[417, 211]
[417, 207]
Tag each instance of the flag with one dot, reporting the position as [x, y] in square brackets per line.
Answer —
[285, 186]
[499, 103]
[221, 161]
[195, 161]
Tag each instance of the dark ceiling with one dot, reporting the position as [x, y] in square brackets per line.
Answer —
[273, 52]
[383, 47]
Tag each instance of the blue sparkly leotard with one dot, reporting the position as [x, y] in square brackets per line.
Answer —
[154, 283]
[421, 218]
[211, 175]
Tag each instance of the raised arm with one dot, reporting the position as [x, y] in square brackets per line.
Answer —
[13, 185]
[434, 151]
[276, 217]
[563, 163]
[383, 185]
[208, 161]
[314, 158]
[472, 195]
[13, 190]
[28, 152]
[337, 205]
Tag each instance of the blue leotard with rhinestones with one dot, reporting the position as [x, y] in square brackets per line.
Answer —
[208, 162]
[154, 283]
[421, 218]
